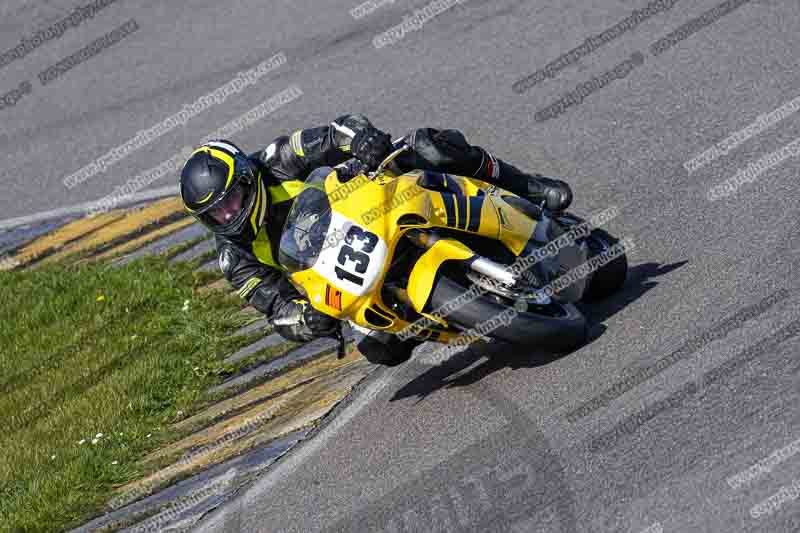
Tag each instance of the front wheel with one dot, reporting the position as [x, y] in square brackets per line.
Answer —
[390, 353]
[556, 327]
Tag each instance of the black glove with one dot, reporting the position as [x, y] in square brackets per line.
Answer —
[371, 146]
[349, 170]
[298, 321]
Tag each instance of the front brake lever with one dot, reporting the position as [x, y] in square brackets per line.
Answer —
[386, 162]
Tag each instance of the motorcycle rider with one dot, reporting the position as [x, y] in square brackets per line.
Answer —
[244, 200]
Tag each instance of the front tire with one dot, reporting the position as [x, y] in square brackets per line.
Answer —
[557, 327]
[391, 353]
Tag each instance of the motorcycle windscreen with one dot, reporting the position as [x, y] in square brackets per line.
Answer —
[306, 226]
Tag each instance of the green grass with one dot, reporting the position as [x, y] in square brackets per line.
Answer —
[178, 249]
[90, 350]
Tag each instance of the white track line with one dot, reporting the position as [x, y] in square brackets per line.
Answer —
[294, 458]
[151, 194]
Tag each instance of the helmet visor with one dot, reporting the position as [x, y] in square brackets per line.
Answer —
[229, 214]
[228, 208]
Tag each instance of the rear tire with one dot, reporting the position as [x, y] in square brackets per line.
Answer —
[557, 327]
[610, 277]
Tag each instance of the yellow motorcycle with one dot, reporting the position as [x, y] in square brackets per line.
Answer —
[430, 256]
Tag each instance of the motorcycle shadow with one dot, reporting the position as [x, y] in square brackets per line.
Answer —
[638, 282]
[481, 360]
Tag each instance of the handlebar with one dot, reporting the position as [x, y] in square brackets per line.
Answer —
[356, 167]
[389, 159]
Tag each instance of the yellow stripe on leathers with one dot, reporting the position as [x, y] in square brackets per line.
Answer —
[285, 191]
[262, 248]
[257, 216]
[296, 143]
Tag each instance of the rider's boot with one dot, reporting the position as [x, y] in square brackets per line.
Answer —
[554, 194]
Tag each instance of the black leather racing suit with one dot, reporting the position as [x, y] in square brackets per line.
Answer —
[294, 157]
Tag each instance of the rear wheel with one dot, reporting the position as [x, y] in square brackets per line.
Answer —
[554, 326]
[610, 277]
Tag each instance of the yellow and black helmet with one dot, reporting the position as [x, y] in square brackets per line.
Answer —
[220, 186]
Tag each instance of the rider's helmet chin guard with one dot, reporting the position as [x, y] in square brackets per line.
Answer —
[221, 188]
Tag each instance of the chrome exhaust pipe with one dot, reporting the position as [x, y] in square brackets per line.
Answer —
[481, 265]
[493, 270]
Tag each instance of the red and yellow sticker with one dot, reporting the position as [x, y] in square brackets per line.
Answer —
[333, 297]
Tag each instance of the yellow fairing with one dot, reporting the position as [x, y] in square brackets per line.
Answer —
[352, 200]
[503, 222]
[392, 206]
[515, 227]
[420, 282]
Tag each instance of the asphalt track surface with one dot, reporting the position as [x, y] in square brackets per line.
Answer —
[496, 438]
